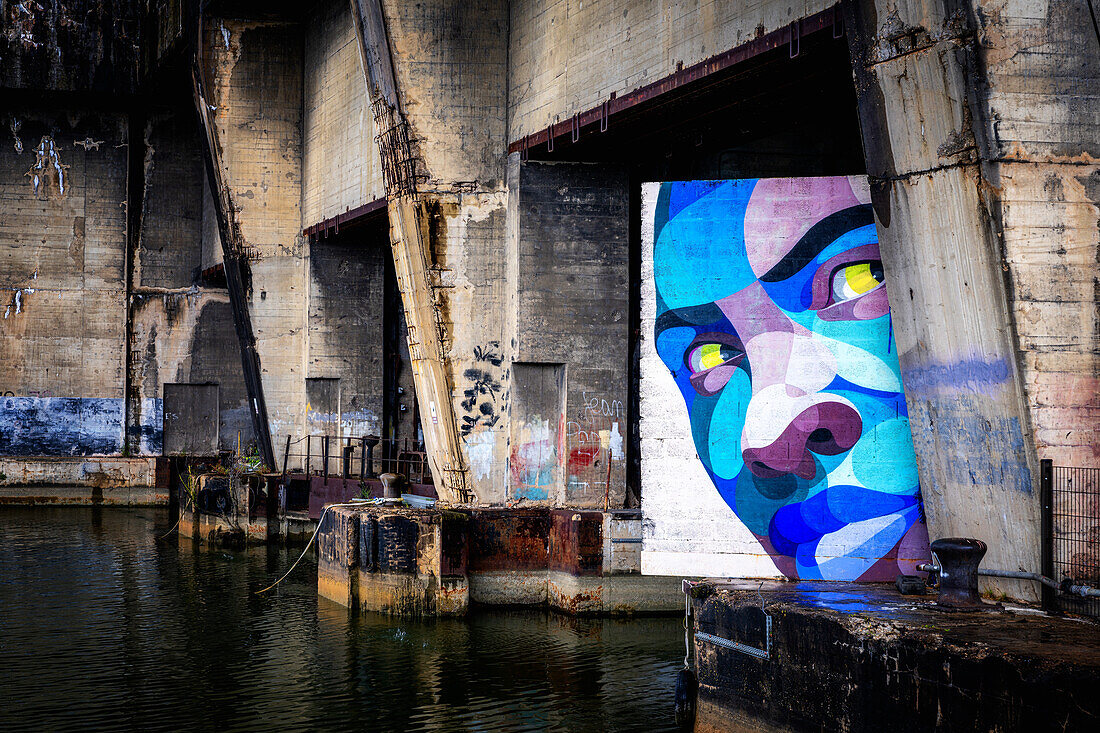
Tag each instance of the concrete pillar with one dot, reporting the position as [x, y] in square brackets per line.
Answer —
[437, 71]
[255, 78]
[934, 81]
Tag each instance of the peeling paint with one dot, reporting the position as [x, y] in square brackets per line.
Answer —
[14, 126]
[88, 143]
[47, 169]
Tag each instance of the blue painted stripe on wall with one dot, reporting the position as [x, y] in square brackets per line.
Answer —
[72, 426]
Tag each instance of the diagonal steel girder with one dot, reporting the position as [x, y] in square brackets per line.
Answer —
[420, 297]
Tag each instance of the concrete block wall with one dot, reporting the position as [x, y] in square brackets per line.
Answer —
[567, 56]
[340, 167]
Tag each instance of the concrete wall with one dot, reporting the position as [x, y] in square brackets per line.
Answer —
[450, 61]
[985, 213]
[256, 80]
[573, 308]
[182, 330]
[340, 168]
[346, 331]
[1042, 130]
[76, 45]
[567, 56]
[62, 249]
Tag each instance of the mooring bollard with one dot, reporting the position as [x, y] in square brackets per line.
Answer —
[959, 558]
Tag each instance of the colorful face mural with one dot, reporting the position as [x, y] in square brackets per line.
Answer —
[772, 316]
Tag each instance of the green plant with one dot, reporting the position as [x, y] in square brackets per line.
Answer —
[189, 484]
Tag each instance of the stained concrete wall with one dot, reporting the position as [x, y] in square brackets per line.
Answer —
[568, 56]
[182, 329]
[1042, 65]
[450, 61]
[62, 250]
[340, 168]
[973, 128]
[71, 45]
[573, 306]
[346, 339]
[256, 85]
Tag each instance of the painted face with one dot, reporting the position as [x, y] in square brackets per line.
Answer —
[773, 318]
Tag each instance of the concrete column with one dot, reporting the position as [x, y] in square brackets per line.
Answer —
[255, 75]
[437, 71]
[920, 79]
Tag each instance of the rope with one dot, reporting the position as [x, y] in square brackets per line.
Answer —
[309, 544]
[171, 530]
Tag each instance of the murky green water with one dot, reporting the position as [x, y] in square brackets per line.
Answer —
[102, 626]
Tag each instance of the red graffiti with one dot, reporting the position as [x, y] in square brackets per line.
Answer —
[579, 457]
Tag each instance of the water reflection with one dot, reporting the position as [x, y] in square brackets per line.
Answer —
[103, 626]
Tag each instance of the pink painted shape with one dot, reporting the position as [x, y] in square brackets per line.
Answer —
[781, 210]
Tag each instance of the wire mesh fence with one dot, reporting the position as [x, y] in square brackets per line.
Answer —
[1073, 519]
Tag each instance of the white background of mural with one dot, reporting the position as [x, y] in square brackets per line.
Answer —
[688, 528]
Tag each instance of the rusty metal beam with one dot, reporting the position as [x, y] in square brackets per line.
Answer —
[602, 116]
[351, 217]
[420, 292]
[233, 257]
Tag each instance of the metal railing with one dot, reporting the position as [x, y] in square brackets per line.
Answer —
[1071, 534]
[363, 457]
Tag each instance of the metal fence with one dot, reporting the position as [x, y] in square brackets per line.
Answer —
[364, 457]
[1071, 529]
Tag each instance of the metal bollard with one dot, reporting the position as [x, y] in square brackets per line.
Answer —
[959, 558]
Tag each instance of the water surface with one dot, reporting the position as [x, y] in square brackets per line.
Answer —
[103, 626]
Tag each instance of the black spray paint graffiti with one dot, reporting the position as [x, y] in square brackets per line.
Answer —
[481, 403]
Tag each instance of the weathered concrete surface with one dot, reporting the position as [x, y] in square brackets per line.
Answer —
[566, 57]
[340, 166]
[927, 76]
[62, 285]
[255, 70]
[863, 658]
[82, 496]
[434, 562]
[70, 45]
[573, 306]
[406, 562]
[104, 472]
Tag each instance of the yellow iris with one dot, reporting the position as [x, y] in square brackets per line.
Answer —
[707, 356]
[859, 277]
[856, 279]
[710, 355]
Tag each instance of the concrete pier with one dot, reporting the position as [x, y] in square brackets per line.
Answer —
[436, 562]
[864, 658]
[79, 481]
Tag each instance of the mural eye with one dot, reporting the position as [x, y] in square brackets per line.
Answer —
[852, 281]
[709, 355]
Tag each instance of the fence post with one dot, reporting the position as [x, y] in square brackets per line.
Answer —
[286, 456]
[1046, 531]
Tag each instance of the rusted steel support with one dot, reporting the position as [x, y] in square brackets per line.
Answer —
[420, 295]
[233, 255]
